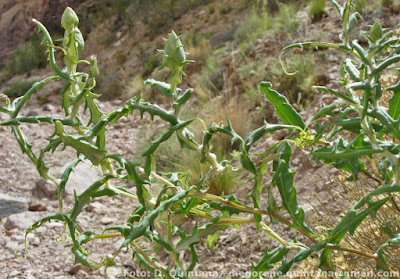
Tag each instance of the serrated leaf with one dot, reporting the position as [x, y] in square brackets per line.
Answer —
[391, 125]
[283, 178]
[395, 239]
[195, 236]
[335, 92]
[394, 102]
[140, 229]
[164, 87]
[66, 174]
[325, 111]
[82, 200]
[349, 223]
[347, 155]
[268, 260]
[301, 255]
[92, 152]
[284, 110]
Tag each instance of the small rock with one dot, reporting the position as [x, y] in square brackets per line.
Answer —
[18, 237]
[22, 220]
[12, 245]
[14, 273]
[90, 208]
[106, 220]
[48, 107]
[36, 241]
[12, 232]
[75, 269]
[46, 187]
[11, 205]
[37, 206]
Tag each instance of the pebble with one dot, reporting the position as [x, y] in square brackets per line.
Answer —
[37, 206]
[12, 232]
[12, 245]
[106, 220]
[48, 107]
[75, 269]
[14, 273]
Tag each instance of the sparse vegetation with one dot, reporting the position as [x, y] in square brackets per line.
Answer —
[24, 60]
[317, 9]
[18, 88]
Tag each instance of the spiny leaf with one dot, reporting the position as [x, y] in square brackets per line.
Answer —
[164, 87]
[140, 229]
[391, 125]
[301, 255]
[38, 119]
[48, 218]
[283, 179]
[195, 236]
[349, 223]
[92, 152]
[268, 260]
[394, 102]
[284, 110]
[84, 199]
[143, 194]
[347, 155]
[66, 174]
[50, 45]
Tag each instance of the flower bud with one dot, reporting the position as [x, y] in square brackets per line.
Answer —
[69, 19]
[174, 54]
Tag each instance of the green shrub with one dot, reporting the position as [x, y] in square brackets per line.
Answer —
[212, 76]
[120, 57]
[224, 10]
[107, 39]
[18, 88]
[317, 9]
[258, 23]
[286, 23]
[25, 59]
[359, 6]
[296, 87]
[151, 64]
[211, 10]
[387, 3]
